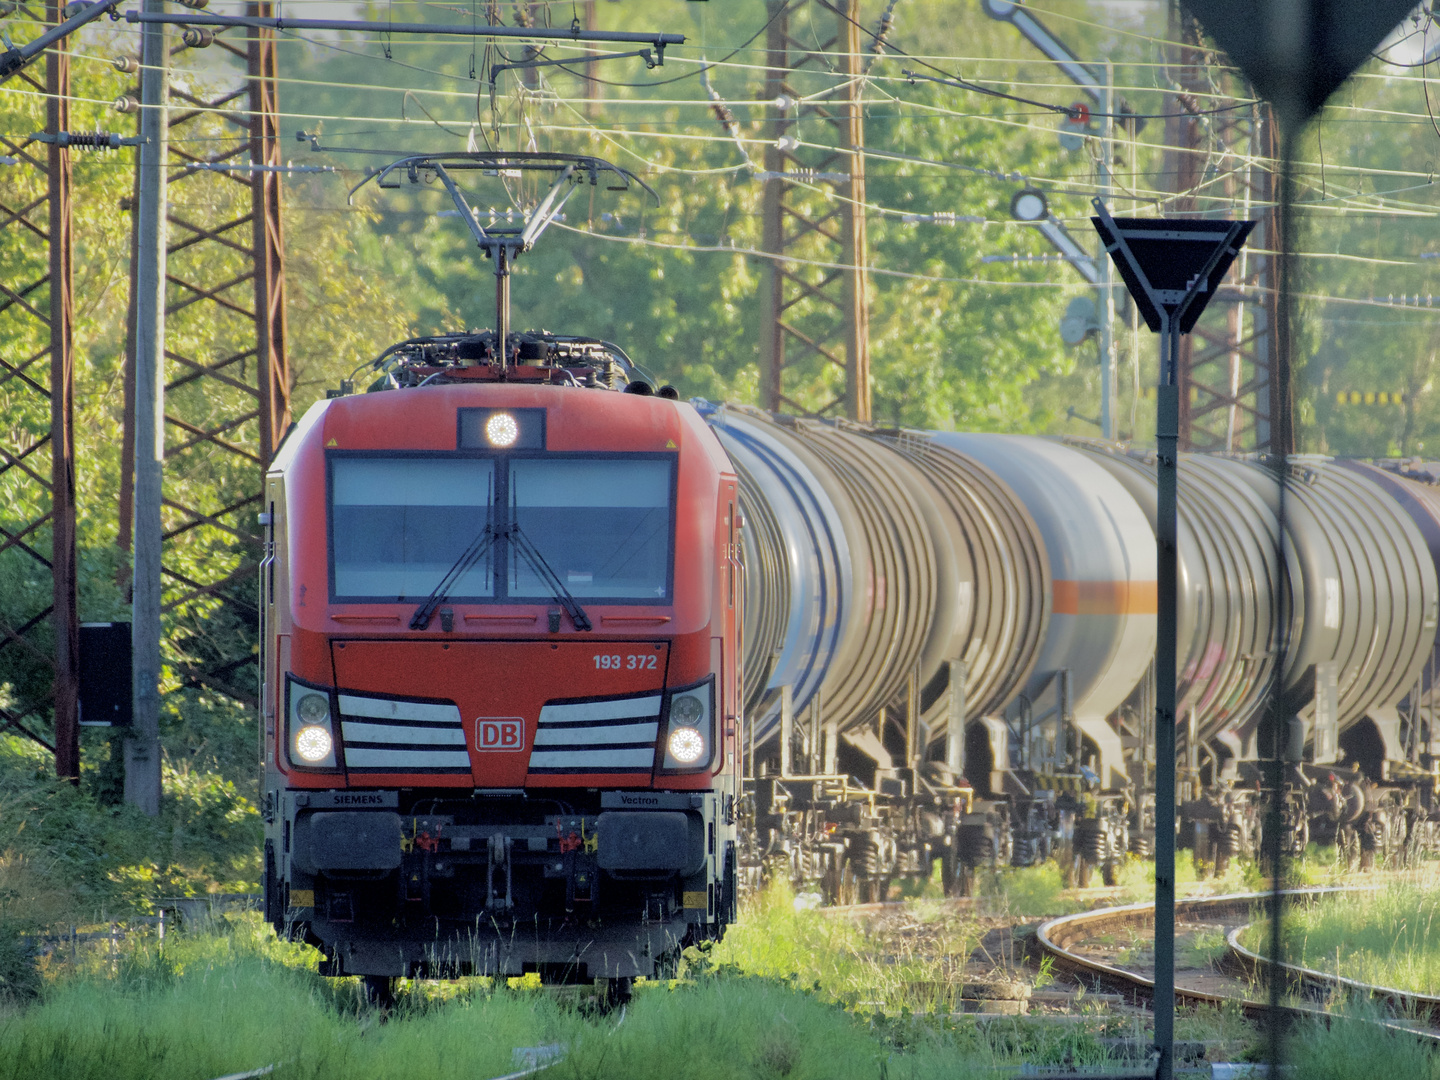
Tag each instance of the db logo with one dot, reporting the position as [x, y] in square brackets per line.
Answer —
[500, 733]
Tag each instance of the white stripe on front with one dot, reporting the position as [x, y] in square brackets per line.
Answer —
[384, 733]
[384, 709]
[592, 759]
[584, 736]
[620, 709]
[400, 760]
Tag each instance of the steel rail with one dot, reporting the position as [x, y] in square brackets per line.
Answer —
[1055, 937]
[1304, 979]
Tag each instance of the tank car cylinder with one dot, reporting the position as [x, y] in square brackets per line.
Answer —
[1101, 552]
[893, 566]
[798, 569]
[1001, 584]
[1363, 585]
[1226, 577]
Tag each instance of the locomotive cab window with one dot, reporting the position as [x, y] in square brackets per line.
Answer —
[603, 526]
[397, 525]
[507, 525]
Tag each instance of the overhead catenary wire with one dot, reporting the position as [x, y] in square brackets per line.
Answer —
[613, 136]
[1068, 185]
[1241, 159]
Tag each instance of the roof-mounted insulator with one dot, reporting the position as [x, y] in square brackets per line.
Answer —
[87, 140]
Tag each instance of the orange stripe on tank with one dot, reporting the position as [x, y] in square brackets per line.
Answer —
[1104, 598]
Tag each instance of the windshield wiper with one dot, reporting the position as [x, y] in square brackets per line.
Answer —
[468, 558]
[476, 551]
[546, 574]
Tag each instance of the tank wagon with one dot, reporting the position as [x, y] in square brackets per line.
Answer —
[500, 669]
[948, 645]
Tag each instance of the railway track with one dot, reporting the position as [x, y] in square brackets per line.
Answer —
[1062, 939]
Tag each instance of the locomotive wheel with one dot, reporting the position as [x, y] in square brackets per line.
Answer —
[613, 993]
[379, 991]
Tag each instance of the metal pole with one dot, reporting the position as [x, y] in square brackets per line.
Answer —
[502, 303]
[772, 225]
[151, 16]
[855, 251]
[1102, 263]
[142, 749]
[1282, 445]
[62, 417]
[272, 376]
[1167, 438]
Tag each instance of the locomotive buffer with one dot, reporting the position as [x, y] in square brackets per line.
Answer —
[1172, 267]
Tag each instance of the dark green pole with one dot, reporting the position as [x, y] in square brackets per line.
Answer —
[1167, 439]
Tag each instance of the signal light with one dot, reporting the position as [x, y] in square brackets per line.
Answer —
[1029, 204]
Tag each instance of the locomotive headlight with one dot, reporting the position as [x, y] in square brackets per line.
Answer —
[502, 430]
[314, 743]
[313, 708]
[690, 730]
[685, 745]
[686, 710]
[311, 731]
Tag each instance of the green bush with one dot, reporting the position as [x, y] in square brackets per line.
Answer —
[68, 857]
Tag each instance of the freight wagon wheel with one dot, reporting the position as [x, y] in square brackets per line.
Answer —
[876, 889]
[1067, 863]
[964, 879]
[1222, 863]
[957, 875]
[840, 883]
[379, 991]
[1110, 873]
[1083, 869]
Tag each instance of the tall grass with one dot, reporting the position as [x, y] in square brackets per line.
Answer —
[206, 1005]
[1389, 937]
[1355, 1046]
[209, 1004]
[843, 960]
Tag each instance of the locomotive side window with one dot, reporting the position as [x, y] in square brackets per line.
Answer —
[397, 526]
[603, 526]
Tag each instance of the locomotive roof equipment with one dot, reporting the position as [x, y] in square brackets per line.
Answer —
[503, 244]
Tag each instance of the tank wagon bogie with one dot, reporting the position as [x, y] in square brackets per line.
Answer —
[501, 672]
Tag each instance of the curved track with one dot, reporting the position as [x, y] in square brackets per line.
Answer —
[1058, 937]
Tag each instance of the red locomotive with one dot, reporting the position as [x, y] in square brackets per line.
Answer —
[500, 690]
